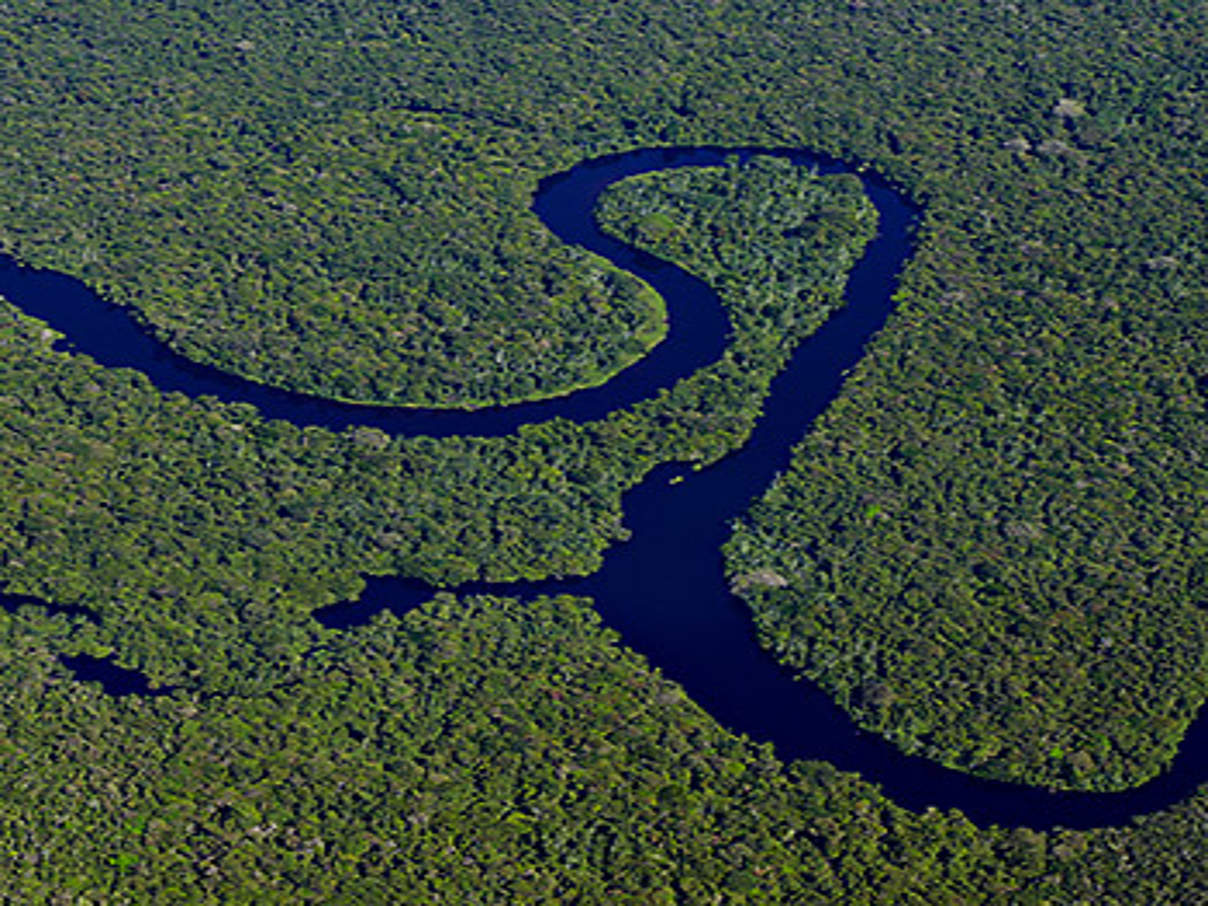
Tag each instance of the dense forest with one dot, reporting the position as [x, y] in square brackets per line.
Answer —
[142, 507]
[993, 550]
[486, 751]
[357, 259]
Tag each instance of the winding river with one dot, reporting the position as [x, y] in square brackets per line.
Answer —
[664, 590]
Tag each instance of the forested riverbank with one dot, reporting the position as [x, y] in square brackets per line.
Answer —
[1018, 460]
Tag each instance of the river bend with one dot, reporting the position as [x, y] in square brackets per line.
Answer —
[664, 590]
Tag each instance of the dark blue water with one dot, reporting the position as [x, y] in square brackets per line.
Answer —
[664, 590]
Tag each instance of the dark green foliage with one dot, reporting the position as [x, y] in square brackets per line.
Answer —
[767, 235]
[995, 542]
[358, 258]
[481, 751]
[204, 534]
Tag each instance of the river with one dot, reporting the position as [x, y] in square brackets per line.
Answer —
[663, 590]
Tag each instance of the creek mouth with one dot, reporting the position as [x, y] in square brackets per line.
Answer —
[664, 591]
